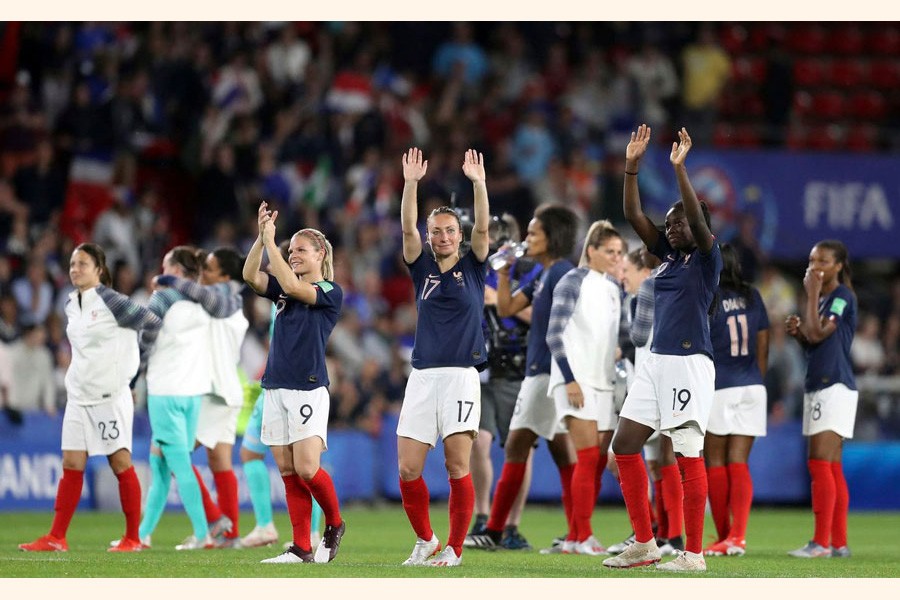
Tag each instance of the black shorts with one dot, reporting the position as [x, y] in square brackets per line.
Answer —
[498, 401]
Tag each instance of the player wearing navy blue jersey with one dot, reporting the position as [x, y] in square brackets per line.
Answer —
[295, 412]
[673, 389]
[442, 396]
[551, 239]
[825, 330]
[739, 329]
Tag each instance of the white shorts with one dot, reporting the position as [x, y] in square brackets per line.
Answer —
[535, 410]
[831, 409]
[293, 415]
[99, 429]
[651, 447]
[739, 411]
[598, 406]
[671, 391]
[218, 422]
[439, 402]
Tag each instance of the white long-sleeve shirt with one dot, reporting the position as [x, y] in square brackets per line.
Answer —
[584, 329]
[178, 362]
[102, 331]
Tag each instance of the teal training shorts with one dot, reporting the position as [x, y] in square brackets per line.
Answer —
[173, 420]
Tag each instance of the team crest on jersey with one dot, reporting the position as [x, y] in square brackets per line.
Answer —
[280, 303]
[458, 276]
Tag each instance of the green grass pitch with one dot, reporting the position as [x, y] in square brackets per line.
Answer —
[379, 539]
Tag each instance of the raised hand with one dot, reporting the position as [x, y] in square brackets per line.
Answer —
[792, 325]
[637, 146]
[265, 219]
[680, 148]
[473, 165]
[812, 282]
[414, 167]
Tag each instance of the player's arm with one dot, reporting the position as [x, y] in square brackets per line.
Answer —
[253, 274]
[414, 168]
[640, 222]
[692, 211]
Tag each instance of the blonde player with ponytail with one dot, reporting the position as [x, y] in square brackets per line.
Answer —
[295, 409]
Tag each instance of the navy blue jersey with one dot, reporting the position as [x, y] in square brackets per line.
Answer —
[828, 362]
[540, 293]
[450, 307]
[297, 348]
[684, 287]
[733, 329]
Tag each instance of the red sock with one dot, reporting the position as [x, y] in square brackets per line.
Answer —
[508, 486]
[696, 490]
[209, 507]
[322, 489]
[601, 467]
[227, 493]
[740, 498]
[299, 505]
[584, 477]
[718, 499]
[415, 502]
[824, 495]
[662, 522]
[633, 480]
[67, 496]
[673, 500]
[461, 505]
[130, 497]
[841, 506]
[565, 480]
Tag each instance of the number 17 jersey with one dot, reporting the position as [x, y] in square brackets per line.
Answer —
[733, 329]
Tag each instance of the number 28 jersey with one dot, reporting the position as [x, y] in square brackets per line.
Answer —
[733, 329]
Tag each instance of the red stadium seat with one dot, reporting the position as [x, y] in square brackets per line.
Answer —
[846, 39]
[867, 105]
[884, 41]
[732, 37]
[847, 72]
[746, 69]
[862, 138]
[807, 38]
[796, 137]
[724, 135]
[802, 103]
[824, 137]
[828, 104]
[884, 73]
[809, 72]
[748, 135]
[761, 36]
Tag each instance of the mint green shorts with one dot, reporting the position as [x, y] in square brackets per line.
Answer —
[173, 420]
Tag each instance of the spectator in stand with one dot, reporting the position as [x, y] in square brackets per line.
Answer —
[33, 292]
[657, 83]
[825, 330]
[32, 364]
[867, 350]
[706, 69]
[462, 50]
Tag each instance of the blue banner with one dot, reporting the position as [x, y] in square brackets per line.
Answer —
[795, 200]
